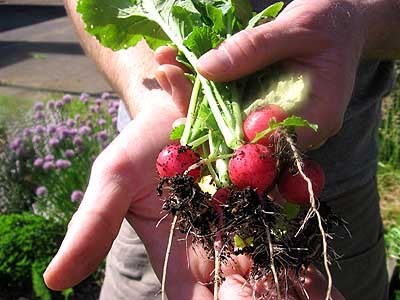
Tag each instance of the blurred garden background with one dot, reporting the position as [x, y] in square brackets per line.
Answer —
[56, 115]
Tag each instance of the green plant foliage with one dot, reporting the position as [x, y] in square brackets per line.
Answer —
[27, 241]
[389, 132]
[38, 285]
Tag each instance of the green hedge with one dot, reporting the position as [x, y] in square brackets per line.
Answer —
[25, 240]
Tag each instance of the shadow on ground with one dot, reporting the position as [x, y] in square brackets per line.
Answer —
[16, 16]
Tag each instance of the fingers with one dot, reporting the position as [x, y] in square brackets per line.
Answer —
[92, 229]
[315, 287]
[166, 55]
[95, 225]
[235, 287]
[237, 265]
[117, 176]
[253, 49]
[173, 80]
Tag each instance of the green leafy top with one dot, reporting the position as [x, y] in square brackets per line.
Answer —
[290, 123]
[120, 24]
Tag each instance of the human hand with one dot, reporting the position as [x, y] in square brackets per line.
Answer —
[237, 285]
[123, 184]
[321, 39]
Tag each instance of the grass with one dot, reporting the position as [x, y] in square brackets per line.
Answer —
[389, 189]
[389, 179]
[13, 108]
[389, 160]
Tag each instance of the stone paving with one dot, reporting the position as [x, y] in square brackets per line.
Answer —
[39, 53]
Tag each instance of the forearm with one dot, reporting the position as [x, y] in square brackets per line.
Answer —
[382, 28]
[129, 72]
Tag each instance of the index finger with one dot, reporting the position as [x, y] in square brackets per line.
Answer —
[96, 224]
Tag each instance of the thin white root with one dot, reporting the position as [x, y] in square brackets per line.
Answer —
[217, 259]
[313, 211]
[217, 267]
[271, 254]
[167, 253]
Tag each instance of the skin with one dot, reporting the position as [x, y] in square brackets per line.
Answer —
[307, 37]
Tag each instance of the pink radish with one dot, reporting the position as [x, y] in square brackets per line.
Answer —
[295, 189]
[219, 199]
[258, 121]
[175, 159]
[253, 165]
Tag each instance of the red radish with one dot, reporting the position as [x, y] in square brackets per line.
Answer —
[219, 199]
[253, 165]
[258, 120]
[175, 159]
[295, 189]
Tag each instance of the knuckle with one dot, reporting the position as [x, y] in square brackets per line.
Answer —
[110, 164]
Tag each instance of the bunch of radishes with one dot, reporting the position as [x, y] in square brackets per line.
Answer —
[253, 164]
[239, 214]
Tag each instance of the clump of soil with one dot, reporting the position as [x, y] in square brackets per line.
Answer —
[250, 224]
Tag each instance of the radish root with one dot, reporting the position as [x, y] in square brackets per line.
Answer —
[313, 211]
[167, 254]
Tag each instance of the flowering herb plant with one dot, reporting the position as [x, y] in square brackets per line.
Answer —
[49, 158]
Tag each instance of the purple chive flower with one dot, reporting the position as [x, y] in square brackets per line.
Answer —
[88, 123]
[76, 196]
[59, 104]
[48, 165]
[62, 131]
[102, 135]
[69, 153]
[115, 104]
[70, 123]
[114, 120]
[77, 141]
[105, 95]
[67, 98]
[98, 101]
[39, 129]
[53, 142]
[51, 128]
[101, 122]
[77, 117]
[49, 157]
[16, 143]
[112, 111]
[39, 115]
[94, 109]
[38, 106]
[41, 191]
[72, 132]
[38, 162]
[84, 130]
[51, 104]
[63, 164]
[84, 97]
[36, 139]
[27, 132]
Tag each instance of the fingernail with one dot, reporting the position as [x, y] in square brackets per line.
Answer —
[214, 62]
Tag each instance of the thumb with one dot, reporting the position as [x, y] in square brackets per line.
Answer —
[253, 49]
